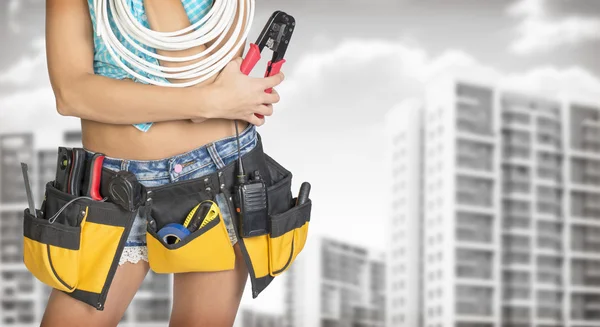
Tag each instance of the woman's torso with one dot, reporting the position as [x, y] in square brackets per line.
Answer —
[163, 139]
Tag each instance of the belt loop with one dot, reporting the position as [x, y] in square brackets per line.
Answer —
[214, 155]
[124, 164]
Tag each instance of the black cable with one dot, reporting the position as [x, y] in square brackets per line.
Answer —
[241, 174]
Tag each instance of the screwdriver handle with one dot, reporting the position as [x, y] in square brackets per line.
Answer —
[303, 194]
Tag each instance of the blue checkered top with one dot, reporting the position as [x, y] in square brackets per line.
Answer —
[105, 65]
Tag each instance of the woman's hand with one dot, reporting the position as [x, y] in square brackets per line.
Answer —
[240, 97]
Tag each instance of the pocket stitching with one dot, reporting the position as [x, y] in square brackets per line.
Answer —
[289, 261]
[60, 280]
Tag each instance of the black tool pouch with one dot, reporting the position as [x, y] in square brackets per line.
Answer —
[75, 250]
[269, 255]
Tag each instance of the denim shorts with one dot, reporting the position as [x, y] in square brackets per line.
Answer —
[190, 165]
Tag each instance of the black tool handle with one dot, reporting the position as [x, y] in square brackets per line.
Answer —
[63, 167]
[304, 193]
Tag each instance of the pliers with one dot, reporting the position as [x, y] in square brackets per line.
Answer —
[276, 36]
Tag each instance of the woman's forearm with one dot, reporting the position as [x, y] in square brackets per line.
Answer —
[107, 100]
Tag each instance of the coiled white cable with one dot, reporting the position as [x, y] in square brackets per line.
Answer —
[215, 25]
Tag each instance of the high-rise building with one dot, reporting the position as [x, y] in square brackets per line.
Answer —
[18, 290]
[405, 156]
[22, 297]
[335, 284]
[511, 200]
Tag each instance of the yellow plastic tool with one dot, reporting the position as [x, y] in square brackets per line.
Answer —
[210, 212]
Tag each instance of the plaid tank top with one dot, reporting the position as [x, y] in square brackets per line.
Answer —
[104, 63]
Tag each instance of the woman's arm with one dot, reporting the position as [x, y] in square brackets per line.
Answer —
[80, 93]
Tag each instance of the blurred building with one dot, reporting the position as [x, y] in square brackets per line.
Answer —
[251, 318]
[23, 299]
[510, 214]
[404, 258]
[335, 284]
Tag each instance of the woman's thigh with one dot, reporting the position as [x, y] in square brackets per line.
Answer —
[63, 310]
[209, 298]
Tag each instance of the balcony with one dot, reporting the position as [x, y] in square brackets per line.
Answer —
[516, 187]
[518, 111]
[514, 120]
[546, 128]
[516, 225]
[591, 170]
[473, 234]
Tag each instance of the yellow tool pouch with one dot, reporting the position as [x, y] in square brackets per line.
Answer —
[269, 255]
[74, 244]
[287, 237]
[207, 249]
[75, 250]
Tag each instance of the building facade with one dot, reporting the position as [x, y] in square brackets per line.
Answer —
[511, 200]
[335, 284]
[23, 299]
[404, 257]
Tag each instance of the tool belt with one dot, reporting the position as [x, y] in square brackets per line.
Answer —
[78, 251]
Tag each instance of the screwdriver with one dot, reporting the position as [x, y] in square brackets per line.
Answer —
[303, 194]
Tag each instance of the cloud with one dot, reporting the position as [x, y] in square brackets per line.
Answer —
[29, 69]
[570, 82]
[356, 88]
[537, 32]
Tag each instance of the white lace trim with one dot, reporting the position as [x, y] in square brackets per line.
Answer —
[134, 254]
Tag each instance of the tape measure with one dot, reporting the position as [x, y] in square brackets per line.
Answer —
[198, 217]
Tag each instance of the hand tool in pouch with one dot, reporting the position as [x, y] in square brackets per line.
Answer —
[276, 35]
[201, 215]
[76, 171]
[198, 217]
[303, 193]
[91, 180]
[32, 211]
[63, 167]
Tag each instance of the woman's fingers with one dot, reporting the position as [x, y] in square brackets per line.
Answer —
[265, 110]
[252, 119]
[272, 81]
[270, 98]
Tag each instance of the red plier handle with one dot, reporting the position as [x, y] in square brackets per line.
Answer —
[252, 59]
[276, 35]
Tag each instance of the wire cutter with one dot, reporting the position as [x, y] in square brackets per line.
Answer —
[276, 36]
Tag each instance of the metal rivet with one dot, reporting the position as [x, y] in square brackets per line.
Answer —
[149, 199]
[222, 185]
[83, 212]
[220, 173]
[208, 189]
[206, 179]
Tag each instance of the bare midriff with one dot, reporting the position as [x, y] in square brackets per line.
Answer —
[164, 139]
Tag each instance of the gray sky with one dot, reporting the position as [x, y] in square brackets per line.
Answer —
[349, 63]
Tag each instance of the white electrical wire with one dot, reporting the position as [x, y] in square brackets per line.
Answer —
[215, 25]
